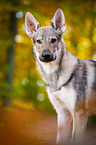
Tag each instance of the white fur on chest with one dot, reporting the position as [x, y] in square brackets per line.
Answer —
[63, 99]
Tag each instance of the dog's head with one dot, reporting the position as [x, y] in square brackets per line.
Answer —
[46, 40]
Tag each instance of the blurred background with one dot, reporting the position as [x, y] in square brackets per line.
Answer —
[21, 87]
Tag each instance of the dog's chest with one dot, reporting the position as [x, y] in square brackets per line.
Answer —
[63, 99]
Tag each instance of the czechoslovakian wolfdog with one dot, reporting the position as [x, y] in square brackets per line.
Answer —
[70, 81]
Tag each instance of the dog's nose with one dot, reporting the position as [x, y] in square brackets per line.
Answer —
[46, 54]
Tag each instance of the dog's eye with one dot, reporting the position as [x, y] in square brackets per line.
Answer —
[38, 41]
[53, 40]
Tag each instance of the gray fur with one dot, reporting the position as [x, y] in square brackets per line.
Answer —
[80, 81]
[94, 83]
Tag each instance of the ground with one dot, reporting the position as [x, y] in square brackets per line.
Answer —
[19, 126]
[26, 127]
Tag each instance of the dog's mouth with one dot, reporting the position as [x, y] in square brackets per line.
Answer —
[47, 59]
[47, 56]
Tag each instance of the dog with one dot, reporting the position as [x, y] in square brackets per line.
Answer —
[70, 81]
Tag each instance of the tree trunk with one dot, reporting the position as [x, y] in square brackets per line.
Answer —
[10, 62]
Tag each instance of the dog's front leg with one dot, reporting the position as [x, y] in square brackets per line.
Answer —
[79, 125]
[64, 127]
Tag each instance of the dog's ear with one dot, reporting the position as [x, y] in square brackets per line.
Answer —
[58, 21]
[31, 24]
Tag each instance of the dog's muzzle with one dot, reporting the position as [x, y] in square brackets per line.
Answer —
[47, 56]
